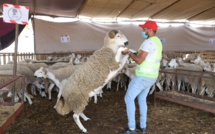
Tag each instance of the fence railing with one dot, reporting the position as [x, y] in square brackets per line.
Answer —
[190, 88]
[6, 57]
[208, 56]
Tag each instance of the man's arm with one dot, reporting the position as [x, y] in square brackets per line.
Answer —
[139, 58]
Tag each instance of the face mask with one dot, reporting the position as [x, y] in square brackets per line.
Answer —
[144, 35]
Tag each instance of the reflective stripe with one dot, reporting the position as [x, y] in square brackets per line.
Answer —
[153, 60]
[147, 70]
[150, 67]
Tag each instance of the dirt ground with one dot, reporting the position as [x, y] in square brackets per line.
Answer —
[108, 116]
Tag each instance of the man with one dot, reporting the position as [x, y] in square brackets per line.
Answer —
[147, 70]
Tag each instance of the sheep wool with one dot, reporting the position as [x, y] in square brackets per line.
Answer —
[88, 77]
[64, 72]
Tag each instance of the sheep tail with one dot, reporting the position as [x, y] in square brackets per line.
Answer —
[62, 108]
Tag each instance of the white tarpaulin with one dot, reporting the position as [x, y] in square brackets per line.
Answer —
[85, 36]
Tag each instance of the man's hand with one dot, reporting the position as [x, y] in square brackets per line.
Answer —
[126, 51]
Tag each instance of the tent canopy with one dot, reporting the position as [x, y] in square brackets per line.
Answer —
[132, 9]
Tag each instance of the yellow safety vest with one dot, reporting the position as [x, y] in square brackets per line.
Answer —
[150, 67]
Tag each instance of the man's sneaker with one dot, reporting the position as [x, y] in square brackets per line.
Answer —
[128, 131]
[142, 130]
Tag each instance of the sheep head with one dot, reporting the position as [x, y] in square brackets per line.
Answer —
[115, 39]
[41, 72]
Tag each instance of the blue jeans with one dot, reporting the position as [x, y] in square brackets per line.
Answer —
[138, 87]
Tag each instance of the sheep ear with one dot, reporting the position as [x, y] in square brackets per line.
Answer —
[112, 33]
[45, 70]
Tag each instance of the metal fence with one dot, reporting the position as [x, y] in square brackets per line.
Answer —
[197, 90]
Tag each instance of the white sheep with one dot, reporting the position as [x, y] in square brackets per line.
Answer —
[25, 69]
[72, 57]
[189, 57]
[34, 66]
[92, 76]
[59, 65]
[40, 86]
[129, 71]
[22, 70]
[159, 83]
[58, 76]
[199, 61]
[190, 79]
[19, 86]
[207, 85]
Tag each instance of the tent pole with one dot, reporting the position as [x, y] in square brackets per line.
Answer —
[15, 51]
[33, 23]
[15, 58]
[15, 48]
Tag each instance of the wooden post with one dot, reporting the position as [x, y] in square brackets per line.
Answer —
[15, 50]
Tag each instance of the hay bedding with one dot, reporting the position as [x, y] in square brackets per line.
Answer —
[108, 116]
[7, 111]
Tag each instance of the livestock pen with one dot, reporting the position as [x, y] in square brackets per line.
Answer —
[6, 57]
[202, 96]
[9, 109]
[208, 56]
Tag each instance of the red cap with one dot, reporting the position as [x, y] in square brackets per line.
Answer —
[149, 24]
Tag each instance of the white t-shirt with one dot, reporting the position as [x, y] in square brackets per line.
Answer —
[150, 47]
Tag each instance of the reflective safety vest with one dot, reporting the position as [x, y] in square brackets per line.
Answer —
[150, 67]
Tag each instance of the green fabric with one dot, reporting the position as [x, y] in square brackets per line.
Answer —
[151, 68]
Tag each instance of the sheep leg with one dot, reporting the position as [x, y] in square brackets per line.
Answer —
[125, 87]
[167, 84]
[42, 92]
[26, 95]
[159, 86]
[16, 99]
[93, 94]
[118, 82]
[202, 91]
[59, 94]
[109, 85]
[210, 92]
[33, 90]
[95, 98]
[78, 122]
[179, 84]
[84, 117]
[50, 90]
[20, 96]
[194, 88]
[152, 90]
[162, 82]
[100, 93]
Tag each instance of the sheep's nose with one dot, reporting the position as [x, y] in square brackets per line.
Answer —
[126, 43]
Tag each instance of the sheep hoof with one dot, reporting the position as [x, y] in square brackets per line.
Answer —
[84, 130]
[31, 105]
[87, 119]
[55, 107]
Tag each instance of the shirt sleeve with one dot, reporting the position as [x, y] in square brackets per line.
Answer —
[147, 46]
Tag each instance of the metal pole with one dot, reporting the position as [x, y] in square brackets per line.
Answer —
[15, 50]
[15, 58]
[33, 21]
